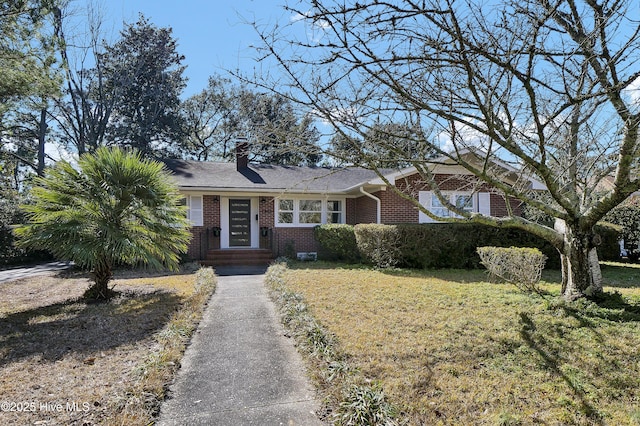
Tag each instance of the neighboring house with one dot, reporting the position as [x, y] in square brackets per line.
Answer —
[262, 211]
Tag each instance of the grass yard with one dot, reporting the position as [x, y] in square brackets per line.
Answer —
[66, 362]
[450, 348]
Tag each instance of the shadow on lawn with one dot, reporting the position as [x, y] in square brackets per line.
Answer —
[614, 275]
[621, 275]
[75, 327]
[462, 276]
[122, 273]
[609, 306]
[553, 362]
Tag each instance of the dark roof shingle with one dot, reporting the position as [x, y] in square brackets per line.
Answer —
[269, 178]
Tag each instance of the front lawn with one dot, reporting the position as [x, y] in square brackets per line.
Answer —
[65, 361]
[448, 347]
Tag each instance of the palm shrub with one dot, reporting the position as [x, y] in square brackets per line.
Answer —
[115, 208]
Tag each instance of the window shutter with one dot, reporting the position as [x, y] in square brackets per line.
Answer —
[484, 203]
[424, 198]
[194, 204]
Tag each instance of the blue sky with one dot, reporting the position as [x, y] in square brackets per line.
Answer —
[213, 35]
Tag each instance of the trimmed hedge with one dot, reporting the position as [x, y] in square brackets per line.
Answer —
[454, 245]
[380, 244]
[520, 266]
[337, 242]
[445, 245]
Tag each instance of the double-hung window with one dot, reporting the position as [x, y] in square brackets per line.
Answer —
[334, 211]
[194, 209]
[308, 211]
[464, 201]
[285, 211]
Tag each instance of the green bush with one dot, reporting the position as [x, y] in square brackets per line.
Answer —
[441, 245]
[379, 244]
[365, 405]
[609, 248]
[627, 216]
[337, 242]
[520, 266]
[453, 245]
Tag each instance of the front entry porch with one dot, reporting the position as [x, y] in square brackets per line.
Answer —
[233, 257]
[238, 240]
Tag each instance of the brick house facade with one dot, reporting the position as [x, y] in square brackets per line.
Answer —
[236, 207]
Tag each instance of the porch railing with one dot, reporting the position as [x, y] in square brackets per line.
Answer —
[210, 239]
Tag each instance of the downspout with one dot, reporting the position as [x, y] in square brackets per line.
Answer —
[377, 200]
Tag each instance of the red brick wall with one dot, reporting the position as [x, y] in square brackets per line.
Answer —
[193, 251]
[266, 219]
[499, 206]
[210, 219]
[302, 239]
[267, 212]
[211, 210]
[395, 209]
[352, 211]
[365, 210]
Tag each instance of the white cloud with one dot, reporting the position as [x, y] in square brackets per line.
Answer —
[316, 28]
[296, 17]
[633, 91]
[465, 137]
[57, 152]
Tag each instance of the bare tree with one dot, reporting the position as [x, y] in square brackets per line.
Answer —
[549, 86]
[84, 112]
[207, 117]
[215, 117]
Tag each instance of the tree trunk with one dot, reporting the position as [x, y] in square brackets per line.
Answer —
[42, 133]
[100, 290]
[581, 276]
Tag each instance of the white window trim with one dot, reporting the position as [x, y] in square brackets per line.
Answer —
[480, 203]
[296, 211]
[195, 215]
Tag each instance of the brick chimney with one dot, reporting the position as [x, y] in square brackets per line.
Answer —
[242, 153]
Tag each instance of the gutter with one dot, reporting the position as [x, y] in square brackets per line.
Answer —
[377, 200]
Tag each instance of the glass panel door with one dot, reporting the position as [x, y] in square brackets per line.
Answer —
[239, 223]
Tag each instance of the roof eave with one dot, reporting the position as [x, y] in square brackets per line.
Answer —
[269, 191]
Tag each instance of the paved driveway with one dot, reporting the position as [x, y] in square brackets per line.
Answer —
[32, 270]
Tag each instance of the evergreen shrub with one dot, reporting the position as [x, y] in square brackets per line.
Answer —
[379, 244]
[453, 245]
[337, 243]
[438, 245]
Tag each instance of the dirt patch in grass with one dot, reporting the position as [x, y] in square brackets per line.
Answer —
[449, 348]
[66, 362]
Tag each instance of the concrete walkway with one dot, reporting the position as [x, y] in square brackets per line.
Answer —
[240, 369]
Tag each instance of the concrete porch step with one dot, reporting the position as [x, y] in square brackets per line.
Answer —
[230, 257]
